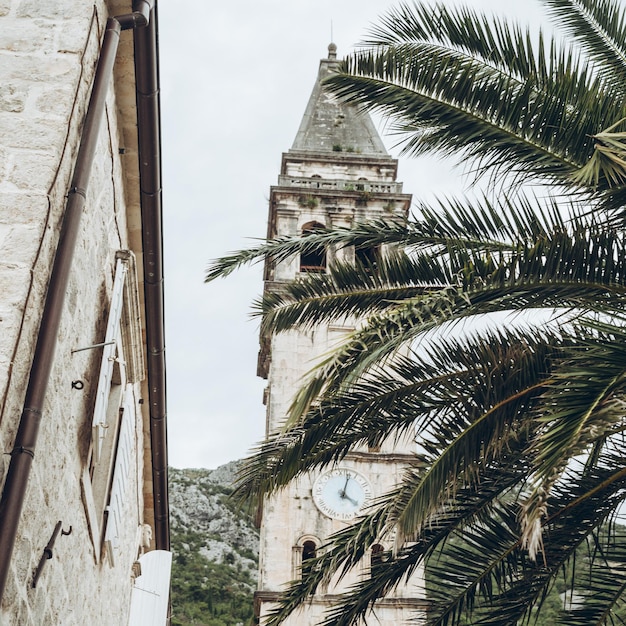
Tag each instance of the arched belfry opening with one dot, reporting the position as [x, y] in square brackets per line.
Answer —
[313, 260]
[304, 552]
[368, 257]
[309, 551]
[376, 557]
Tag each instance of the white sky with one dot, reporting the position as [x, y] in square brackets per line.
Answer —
[235, 78]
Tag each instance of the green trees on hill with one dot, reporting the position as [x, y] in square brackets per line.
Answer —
[207, 593]
[210, 587]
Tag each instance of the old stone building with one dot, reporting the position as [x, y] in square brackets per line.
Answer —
[336, 173]
[83, 506]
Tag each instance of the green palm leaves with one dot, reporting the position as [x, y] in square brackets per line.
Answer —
[498, 414]
[608, 159]
[494, 330]
[464, 84]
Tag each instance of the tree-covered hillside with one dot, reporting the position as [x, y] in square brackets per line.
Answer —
[215, 550]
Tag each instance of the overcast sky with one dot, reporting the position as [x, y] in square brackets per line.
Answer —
[235, 78]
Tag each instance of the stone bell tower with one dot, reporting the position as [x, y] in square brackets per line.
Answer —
[336, 173]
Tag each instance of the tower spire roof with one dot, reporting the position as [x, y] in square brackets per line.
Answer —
[330, 125]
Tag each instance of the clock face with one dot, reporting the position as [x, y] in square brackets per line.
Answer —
[341, 493]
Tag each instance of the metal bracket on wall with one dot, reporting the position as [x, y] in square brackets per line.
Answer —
[95, 345]
[47, 551]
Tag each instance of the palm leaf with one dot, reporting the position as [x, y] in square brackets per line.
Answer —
[506, 110]
[582, 405]
[411, 395]
[599, 28]
[578, 508]
[608, 161]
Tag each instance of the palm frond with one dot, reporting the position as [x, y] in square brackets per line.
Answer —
[282, 248]
[409, 396]
[582, 505]
[598, 26]
[467, 85]
[583, 404]
[602, 587]
[481, 112]
[608, 161]
[348, 291]
[490, 225]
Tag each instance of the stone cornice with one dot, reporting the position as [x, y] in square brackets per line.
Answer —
[343, 158]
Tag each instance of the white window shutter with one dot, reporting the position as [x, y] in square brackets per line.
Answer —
[150, 598]
[121, 474]
[99, 423]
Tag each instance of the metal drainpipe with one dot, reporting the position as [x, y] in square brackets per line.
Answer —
[149, 140]
[23, 452]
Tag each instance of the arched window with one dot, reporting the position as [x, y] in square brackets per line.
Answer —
[309, 552]
[313, 260]
[376, 557]
[304, 551]
[368, 257]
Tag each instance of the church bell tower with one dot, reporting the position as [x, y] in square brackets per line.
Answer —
[336, 173]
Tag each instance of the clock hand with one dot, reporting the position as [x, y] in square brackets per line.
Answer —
[355, 502]
[342, 493]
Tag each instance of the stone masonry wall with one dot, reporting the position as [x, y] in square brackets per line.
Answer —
[48, 51]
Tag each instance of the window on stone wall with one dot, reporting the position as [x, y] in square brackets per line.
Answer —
[107, 468]
[368, 257]
[313, 260]
[303, 553]
[376, 557]
[309, 552]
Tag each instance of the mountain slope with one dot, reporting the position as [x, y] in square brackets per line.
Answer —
[215, 547]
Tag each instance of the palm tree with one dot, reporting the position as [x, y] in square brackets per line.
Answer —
[522, 458]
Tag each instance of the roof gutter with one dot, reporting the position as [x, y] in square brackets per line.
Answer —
[23, 452]
[149, 140]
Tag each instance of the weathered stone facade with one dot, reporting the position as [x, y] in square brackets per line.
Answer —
[48, 52]
[337, 173]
